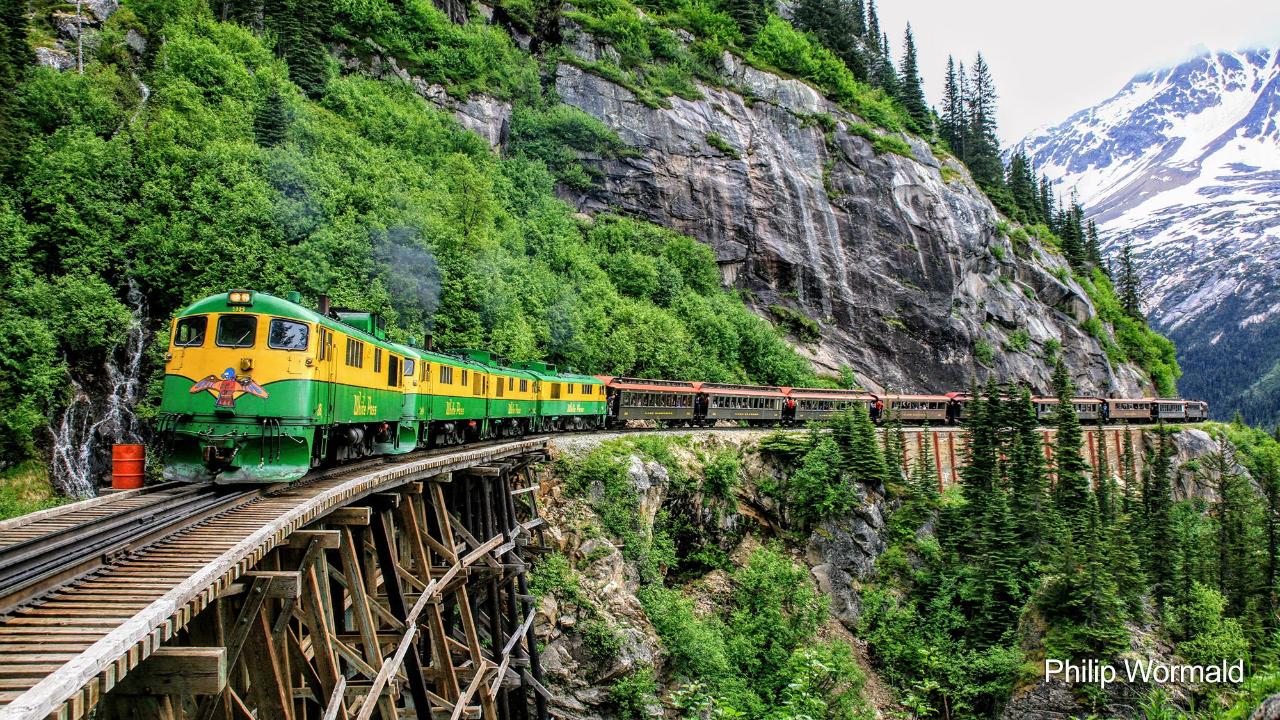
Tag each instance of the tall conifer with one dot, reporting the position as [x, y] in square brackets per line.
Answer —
[1071, 486]
[909, 91]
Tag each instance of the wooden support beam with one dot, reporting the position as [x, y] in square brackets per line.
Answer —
[301, 539]
[349, 516]
[178, 671]
[284, 583]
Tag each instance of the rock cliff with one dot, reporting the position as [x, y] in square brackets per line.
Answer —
[899, 260]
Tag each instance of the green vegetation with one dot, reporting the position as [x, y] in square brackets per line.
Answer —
[759, 655]
[1018, 341]
[722, 145]
[797, 323]
[25, 489]
[881, 143]
[1134, 341]
[945, 618]
[232, 175]
[984, 353]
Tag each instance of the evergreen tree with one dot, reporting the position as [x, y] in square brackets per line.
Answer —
[855, 434]
[1047, 201]
[923, 480]
[1126, 567]
[1157, 501]
[16, 60]
[271, 122]
[895, 447]
[1105, 483]
[1070, 227]
[872, 34]
[1230, 512]
[750, 15]
[886, 77]
[982, 144]
[838, 25]
[1130, 283]
[982, 467]
[953, 122]
[1083, 599]
[1071, 486]
[1027, 484]
[1022, 186]
[1267, 473]
[1093, 246]
[302, 27]
[910, 93]
[1129, 474]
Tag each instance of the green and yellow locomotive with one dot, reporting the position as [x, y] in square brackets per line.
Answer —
[260, 389]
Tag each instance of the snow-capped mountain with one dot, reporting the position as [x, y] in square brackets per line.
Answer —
[1185, 162]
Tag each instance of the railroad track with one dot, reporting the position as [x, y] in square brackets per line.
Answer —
[132, 579]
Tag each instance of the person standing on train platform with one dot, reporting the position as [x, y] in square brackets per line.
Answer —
[877, 409]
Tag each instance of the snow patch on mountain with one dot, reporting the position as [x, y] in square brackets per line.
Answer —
[1184, 162]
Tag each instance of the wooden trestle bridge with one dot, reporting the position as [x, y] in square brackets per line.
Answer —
[387, 589]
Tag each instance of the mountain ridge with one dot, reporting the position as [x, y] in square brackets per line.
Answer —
[1184, 163]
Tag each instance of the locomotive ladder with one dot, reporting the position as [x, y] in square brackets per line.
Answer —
[391, 589]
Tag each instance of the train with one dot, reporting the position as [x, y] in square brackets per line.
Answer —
[260, 389]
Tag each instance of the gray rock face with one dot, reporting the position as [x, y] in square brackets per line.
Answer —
[1268, 710]
[843, 551]
[1196, 471]
[905, 270]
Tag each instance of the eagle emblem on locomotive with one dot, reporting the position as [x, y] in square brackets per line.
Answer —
[229, 387]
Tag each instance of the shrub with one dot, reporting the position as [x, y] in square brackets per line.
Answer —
[556, 136]
[984, 353]
[719, 143]
[1018, 341]
[797, 323]
[633, 694]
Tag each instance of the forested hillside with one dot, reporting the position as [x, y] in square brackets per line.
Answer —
[167, 149]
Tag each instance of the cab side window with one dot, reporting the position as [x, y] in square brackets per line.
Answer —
[190, 331]
[237, 331]
[287, 335]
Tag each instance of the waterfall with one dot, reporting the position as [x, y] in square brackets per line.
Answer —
[88, 428]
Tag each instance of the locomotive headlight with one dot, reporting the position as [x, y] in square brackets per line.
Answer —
[240, 297]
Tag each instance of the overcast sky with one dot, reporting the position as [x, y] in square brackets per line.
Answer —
[1051, 59]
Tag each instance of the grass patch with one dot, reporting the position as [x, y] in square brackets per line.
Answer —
[25, 489]
[984, 353]
[719, 143]
[797, 323]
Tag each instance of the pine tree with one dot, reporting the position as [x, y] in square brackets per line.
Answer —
[1230, 512]
[982, 144]
[16, 60]
[953, 121]
[1130, 283]
[910, 93]
[1267, 473]
[982, 461]
[872, 34]
[923, 478]
[1157, 503]
[855, 434]
[271, 122]
[886, 77]
[1047, 201]
[1071, 486]
[895, 447]
[1105, 483]
[1129, 474]
[1027, 482]
[1093, 246]
[1022, 186]
[750, 15]
[838, 25]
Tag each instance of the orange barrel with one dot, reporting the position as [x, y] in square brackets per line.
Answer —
[128, 466]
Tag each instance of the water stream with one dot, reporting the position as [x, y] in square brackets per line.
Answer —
[89, 426]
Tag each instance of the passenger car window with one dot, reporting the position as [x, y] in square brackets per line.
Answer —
[237, 331]
[190, 331]
[409, 367]
[288, 335]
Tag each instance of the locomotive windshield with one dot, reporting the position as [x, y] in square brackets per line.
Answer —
[288, 335]
[237, 331]
[190, 331]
